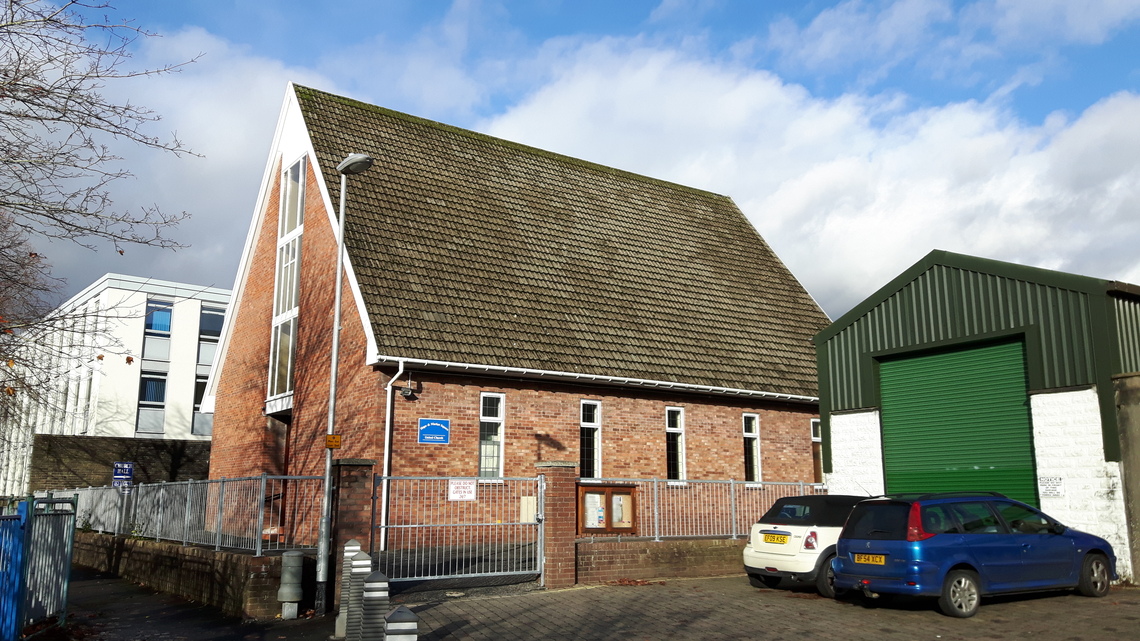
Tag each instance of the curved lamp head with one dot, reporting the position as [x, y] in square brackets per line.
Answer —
[354, 164]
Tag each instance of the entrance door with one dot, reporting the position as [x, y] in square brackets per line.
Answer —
[959, 421]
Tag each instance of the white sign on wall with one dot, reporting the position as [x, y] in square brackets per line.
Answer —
[461, 489]
[1051, 487]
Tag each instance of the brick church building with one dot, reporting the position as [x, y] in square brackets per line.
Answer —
[504, 306]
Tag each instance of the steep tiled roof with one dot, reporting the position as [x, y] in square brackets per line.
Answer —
[472, 249]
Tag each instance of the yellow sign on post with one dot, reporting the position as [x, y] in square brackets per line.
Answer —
[332, 441]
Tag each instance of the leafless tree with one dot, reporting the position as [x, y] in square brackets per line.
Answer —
[56, 167]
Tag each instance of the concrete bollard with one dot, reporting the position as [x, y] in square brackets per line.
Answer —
[289, 594]
[375, 602]
[361, 568]
[402, 625]
[350, 550]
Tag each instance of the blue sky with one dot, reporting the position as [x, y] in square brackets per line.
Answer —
[856, 135]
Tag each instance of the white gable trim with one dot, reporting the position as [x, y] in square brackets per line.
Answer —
[290, 141]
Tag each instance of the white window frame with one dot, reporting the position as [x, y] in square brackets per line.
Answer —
[596, 426]
[752, 444]
[679, 430]
[208, 343]
[154, 409]
[286, 280]
[816, 430]
[156, 342]
[500, 420]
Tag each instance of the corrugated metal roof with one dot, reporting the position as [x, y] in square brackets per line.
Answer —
[472, 249]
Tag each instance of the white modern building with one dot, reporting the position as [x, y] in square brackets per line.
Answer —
[126, 358]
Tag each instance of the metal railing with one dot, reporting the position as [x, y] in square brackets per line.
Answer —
[258, 513]
[676, 509]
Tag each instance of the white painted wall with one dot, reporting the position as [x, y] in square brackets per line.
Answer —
[856, 454]
[1068, 445]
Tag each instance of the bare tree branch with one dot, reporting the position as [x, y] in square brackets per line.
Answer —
[55, 123]
[56, 170]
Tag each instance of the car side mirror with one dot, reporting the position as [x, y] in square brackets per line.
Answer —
[1057, 528]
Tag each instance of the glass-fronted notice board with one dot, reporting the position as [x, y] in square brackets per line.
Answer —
[607, 509]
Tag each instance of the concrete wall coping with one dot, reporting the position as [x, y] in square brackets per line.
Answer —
[354, 461]
[542, 464]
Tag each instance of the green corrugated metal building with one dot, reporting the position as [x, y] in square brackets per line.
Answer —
[965, 373]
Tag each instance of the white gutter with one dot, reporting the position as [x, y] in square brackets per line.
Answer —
[591, 378]
[388, 411]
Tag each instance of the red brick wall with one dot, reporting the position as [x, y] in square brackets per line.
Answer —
[611, 560]
[541, 423]
[243, 442]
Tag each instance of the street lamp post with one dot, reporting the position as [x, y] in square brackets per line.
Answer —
[351, 165]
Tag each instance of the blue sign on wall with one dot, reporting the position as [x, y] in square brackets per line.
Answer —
[435, 430]
[123, 471]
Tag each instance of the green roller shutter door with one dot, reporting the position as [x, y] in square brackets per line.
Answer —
[957, 421]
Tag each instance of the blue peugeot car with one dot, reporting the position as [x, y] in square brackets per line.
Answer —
[960, 547]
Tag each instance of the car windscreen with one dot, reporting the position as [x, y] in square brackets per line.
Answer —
[820, 511]
[878, 522]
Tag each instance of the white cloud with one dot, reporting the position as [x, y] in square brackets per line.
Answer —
[870, 38]
[856, 32]
[447, 69]
[852, 191]
[1042, 21]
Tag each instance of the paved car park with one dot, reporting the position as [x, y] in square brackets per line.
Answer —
[692, 609]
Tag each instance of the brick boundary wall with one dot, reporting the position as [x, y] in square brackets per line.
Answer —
[79, 461]
[602, 560]
[237, 584]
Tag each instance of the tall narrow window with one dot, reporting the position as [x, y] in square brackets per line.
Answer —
[817, 449]
[490, 435]
[674, 443]
[152, 403]
[156, 338]
[287, 281]
[752, 448]
[590, 445]
[209, 329]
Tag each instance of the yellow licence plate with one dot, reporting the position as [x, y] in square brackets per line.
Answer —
[873, 559]
[776, 538]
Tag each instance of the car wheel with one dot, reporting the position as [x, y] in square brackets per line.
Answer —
[825, 580]
[960, 594]
[1095, 576]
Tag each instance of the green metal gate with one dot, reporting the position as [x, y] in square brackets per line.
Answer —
[959, 421]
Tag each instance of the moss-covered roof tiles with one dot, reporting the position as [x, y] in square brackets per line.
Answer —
[472, 249]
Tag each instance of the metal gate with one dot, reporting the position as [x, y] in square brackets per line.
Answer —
[447, 528]
[35, 559]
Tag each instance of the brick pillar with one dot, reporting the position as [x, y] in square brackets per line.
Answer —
[351, 510]
[561, 522]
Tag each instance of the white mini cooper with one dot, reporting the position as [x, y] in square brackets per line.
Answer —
[795, 540]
